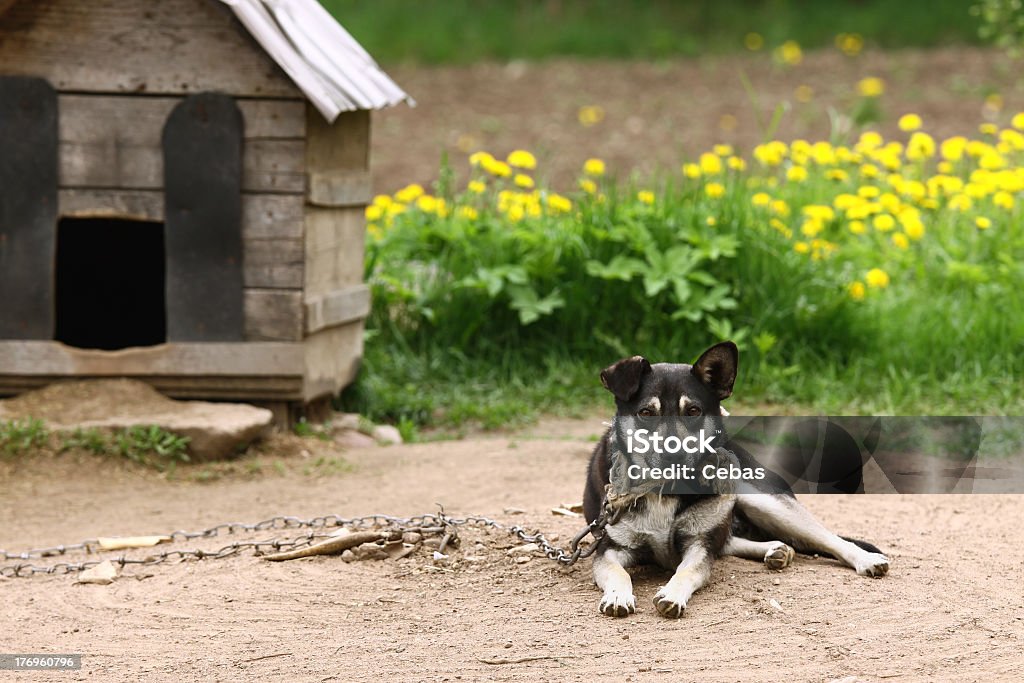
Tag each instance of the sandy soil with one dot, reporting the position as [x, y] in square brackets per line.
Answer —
[656, 113]
[951, 609]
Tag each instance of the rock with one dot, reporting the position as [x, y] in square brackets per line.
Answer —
[524, 549]
[370, 551]
[411, 537]
[103, 573]
[341, 421]
[348, 556]
[351, 439]
[387, 435]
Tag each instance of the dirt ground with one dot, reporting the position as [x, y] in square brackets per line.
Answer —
[656, 113]
[952, 607]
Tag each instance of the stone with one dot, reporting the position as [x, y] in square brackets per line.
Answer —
[351, 439]
[387, 435]
[341, 421]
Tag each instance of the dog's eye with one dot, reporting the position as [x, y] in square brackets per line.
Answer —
[693, 411]
[646, 412]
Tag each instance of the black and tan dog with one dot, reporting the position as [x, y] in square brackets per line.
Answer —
[686, 533]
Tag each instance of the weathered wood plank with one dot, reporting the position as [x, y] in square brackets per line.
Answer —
[337, 308]
[334, 249]
[131, 46]
[273, 315]
[108, 141]
[28, 358]
[340, 146]
[341, 189]
[264, 216]
[333, 356]
[273, 263]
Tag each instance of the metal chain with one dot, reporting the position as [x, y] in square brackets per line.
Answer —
[429, 523]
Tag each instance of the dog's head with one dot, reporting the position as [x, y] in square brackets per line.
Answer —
[673, 389]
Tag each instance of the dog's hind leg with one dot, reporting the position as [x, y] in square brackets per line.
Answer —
[780, 516]
[774, 554]
[691, 575]
[611, 577]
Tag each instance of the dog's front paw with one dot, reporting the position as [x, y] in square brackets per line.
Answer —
[873, 564]
[615, 604]
[779, 556]
[668, 605]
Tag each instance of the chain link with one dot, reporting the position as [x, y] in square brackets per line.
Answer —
[426, 524]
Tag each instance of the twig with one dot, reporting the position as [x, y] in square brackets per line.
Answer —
[521, 660]
[256, 659]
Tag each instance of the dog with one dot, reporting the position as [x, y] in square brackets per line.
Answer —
[686, 533]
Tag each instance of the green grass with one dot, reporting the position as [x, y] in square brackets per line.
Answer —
[464, 31]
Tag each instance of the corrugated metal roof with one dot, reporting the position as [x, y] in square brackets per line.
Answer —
[319, 55]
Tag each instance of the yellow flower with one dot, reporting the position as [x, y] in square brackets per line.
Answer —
[900, 240]
[837, 174]
[761, 199]
[820, 212]
[796, 174]
[374, 212]
[869, 171]
[588, 186]
[850, 43]
[691, 171]
[478, 158]
[909, 122]
[409, 193]
[520, 158]
[789, 53]
[753, 41]
[944, 167]
[710, 164]
[801, 247]
[523, 180]
[496, 168]
[811, 227]
[590, 115]
[476, 186]
[871, 86]
[516, 213]
[559, 204]
[714, 190]
[857, 290]
[468, 212]
[803, 93]
[857, 227]
[988, 129]
[383, 201]
[878, 278]
[960, 202]
[645, 196]
[770, 153]
[920, 146]
[869, 141]
[711, 221]
[883, 222]
[780, 207]
[1004, 200]
[1018, 121]
[983, 223]
[914, 228]
[736, 164]
[722, 150]
[594, 167]
[427, 204]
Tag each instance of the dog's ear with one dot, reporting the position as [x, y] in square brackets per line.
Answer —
[623, 378]
[716, 368]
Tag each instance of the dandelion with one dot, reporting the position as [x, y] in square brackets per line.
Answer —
[374, 212]
[588, 186]
[837, 174]
[523, 180]
[909, 122]
[914, 229]
[869, 171]
[983, 223]
[1018, 121]
[722, 150]
[850, 44]
[771, 153]
[711, 221]
[900, 240]
[789, 53]
[801, 247]
[516, 212]
[468, 212]
[736, 164]
[921, 146]
[520, 158]
[590, 115]
[884, 222]
[559, 204]
[877, 278]
[796, 174]
[645, 196]
[710, 164]
[691, 171]
[495, 167]
[780, 207]
[761, 199]
[872, 86]
[857, 290]
[409, 193]
[427, 204]
[383, 201]
[1004, 200]
[753, 41]
[594, 167]
[478, 158]
[714, 190]
[857, 227]
[988, 129]
[476, 186]
[960, 202]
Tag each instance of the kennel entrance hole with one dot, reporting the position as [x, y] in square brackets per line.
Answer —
[110, 283]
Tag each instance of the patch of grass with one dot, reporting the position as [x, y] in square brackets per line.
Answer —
[19, 436]
[308, 430]
[464, 31]
[93, 440]
[151, 446]
[327, 466]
